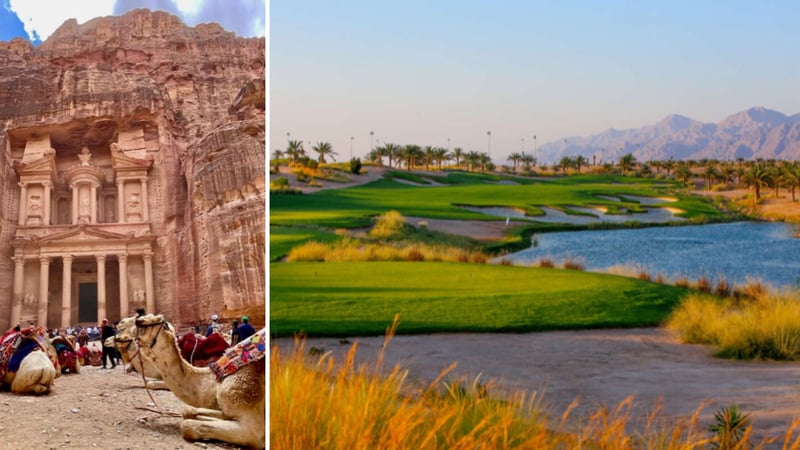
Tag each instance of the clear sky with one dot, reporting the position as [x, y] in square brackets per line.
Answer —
[35, 20]
[421, 71]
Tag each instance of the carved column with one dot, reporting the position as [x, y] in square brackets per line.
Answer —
[101, 287]
[19, 281]
[93, 204]
[66, 291]
[23, 202]
[46, 215]
[145, 213]
[44, 278]
[75, 201]
[123, 286]
[120, 201]
[148, 283]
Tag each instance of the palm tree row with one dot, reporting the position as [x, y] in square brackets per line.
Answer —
[413, 156]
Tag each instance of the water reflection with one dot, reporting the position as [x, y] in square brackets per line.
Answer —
[765, 251]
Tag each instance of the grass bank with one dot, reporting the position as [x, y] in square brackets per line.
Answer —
[361, 298]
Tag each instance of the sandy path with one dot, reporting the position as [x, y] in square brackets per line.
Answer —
[599, 367]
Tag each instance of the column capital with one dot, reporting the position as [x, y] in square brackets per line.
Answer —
[147, 257]
[123, 257]
[18, 259]
[44, 260]
[100, 258]
[47, 183]
[67, 258]
[22, 185]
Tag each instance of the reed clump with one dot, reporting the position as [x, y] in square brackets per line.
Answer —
[347, 249]
[762, 327]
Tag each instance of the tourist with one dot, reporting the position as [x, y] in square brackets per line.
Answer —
[108, 352]
[213, 327]
[235, 338]
[245, 329]
[83, 338]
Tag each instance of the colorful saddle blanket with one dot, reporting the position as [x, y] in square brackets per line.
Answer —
[250, 350]
[16, 345]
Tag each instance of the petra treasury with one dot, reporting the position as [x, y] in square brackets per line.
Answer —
[132, 173]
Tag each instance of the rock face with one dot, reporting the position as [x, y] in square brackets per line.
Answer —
[184, 100]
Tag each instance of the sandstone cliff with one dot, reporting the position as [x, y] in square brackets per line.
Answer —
[176, 86]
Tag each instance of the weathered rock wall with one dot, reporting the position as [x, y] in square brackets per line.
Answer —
[149, 65]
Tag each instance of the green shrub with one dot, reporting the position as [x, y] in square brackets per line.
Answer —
[355, 166]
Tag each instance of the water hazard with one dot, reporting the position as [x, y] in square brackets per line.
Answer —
[764, 251]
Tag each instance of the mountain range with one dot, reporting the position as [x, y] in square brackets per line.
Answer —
[753, 133]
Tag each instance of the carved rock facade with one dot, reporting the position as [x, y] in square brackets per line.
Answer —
[132, 173]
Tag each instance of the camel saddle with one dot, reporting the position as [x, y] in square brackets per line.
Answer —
[249, 351]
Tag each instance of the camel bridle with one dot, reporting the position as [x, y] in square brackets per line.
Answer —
[162, 324]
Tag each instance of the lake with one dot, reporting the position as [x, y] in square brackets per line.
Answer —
[768, 252]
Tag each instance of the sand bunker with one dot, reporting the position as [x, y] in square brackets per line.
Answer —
[590, 215]
[597, 367]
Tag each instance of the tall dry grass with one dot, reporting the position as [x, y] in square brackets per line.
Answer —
[388, 225]
[354, 250]
[322, 403]
[762, 327]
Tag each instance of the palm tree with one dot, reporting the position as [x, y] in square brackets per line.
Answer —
[440, 155]
[626, 162]
[458, 153]
[276, 156]
[515, 158]
[683, 172]
[669, 165]
[324, 148]
[411, 154]
[428, 156]
[295, 150]
[709, 173]
[375, 156]
[578, 161]
[484, 161]
[392, 151]
[472, 158]
[756, 177]
[565, 163]
[528, 161]
[791, 178]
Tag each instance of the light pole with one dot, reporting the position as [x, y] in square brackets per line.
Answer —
[523, 145]
[371, 133]
[288, 137]
[489, 133]
[448, 144]
[351, 146]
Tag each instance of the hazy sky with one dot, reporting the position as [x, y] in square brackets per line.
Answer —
[35, 20]
[421, 71]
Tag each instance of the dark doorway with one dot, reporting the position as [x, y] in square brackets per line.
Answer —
[87, 302]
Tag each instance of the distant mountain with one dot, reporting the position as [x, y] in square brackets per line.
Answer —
[753, 133]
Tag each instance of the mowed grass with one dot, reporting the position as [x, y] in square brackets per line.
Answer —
[284, 238]
[362, 298]
[354, 207]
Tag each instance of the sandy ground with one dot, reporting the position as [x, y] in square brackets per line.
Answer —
[597, 367]
[95, 409]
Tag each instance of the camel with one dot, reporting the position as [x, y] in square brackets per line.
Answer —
[231, 410]
[68, 358]
[125, 341]
[38, 367]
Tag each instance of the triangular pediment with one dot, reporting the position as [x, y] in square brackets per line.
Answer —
[46, 165]
[121, 161]
[83, 233]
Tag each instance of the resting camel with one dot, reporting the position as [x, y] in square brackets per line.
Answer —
[125, 341]
[68, 358]
[29, 363]
[230, 410]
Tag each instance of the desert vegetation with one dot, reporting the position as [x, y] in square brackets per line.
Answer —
[318, 402]
[753, 324]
